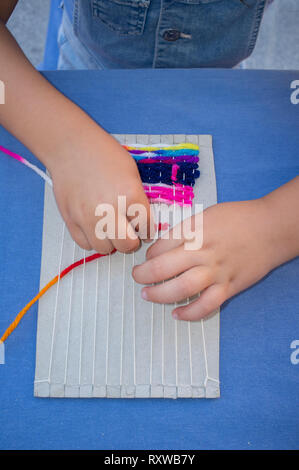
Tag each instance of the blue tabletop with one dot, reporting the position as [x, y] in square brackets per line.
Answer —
[255, 132]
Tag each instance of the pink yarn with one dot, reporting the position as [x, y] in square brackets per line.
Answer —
[174, 171]
[13, 155]
[169, 202]
[178, 193]
[28, 164]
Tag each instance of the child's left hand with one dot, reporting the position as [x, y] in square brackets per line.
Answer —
[237, 251]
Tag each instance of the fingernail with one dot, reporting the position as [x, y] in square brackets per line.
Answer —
[175, 316]
[144, 294]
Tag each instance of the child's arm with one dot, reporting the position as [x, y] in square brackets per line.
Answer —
[87, 165]
[242, 242]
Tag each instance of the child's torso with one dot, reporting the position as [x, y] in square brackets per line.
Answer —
[166, 33]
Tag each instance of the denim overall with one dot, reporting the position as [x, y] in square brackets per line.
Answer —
[98, 34]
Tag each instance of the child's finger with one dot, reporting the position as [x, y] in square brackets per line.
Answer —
[187, 231]
[78, 235]
[168, 241]
[140, 206]
[150, 219]
[186, 285]
[209, 300]
[162, 245]
[151, 224]
[127, 241]
[166, 265]
[103, 246]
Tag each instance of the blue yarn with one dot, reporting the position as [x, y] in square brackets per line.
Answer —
[168, 153]
[161, 173]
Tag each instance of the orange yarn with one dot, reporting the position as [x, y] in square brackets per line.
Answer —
[20, 315]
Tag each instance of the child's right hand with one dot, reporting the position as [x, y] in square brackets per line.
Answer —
[87, 165]
[94, 168]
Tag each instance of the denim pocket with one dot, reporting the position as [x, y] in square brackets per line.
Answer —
[259, 10]
[122, 16]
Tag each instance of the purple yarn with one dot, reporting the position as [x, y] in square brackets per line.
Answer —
[169, 159]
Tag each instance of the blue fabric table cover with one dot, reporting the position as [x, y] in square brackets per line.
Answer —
[255, 132]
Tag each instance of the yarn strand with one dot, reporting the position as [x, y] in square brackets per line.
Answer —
[168, 173]
[157, 164]
[25, 162]
[53, 281]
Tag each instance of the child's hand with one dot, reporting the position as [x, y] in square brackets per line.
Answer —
[236, 252]
[87, 165]
[92, 169]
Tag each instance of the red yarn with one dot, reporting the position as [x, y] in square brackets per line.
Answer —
[82, 261]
